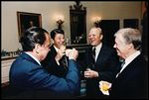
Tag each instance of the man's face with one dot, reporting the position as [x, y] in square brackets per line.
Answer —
[120, 46]
[59, 40]
[95, 37]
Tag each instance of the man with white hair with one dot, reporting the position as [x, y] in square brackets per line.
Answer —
[131, 81]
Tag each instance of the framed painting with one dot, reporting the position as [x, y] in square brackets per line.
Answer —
[27, 20]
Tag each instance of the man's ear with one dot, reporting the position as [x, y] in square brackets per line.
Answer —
[131, 46]
[37, 48]
[101, 37]
[52, 41]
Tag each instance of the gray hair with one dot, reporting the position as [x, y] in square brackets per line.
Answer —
[97, 28]
[131, 35]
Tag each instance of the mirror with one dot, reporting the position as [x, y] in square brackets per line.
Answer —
[78, 24]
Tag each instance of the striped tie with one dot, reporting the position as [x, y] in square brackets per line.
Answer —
[120, 68]
[93, 52]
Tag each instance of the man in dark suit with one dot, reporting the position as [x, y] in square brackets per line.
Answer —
[132, 80]
[27, 76]
[54, 62]
[101, 66]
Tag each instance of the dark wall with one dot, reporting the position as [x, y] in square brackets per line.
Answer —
[145, 32]
[133, 23]
[109, 28]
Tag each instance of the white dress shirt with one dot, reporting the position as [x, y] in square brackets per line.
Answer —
[97, 51]
[58, 63]
[56, 48]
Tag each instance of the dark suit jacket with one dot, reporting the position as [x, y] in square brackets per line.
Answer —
[27, 75]
[50, 64]
[132, 82]
[106, 66]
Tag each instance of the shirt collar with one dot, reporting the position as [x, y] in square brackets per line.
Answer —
[33, 57]
[55, 48]
[129, 59]
[98, 47]
[97, 50]
[132, 57]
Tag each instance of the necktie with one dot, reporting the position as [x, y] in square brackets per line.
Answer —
[94, 52]
[93, 55]
[122, 64]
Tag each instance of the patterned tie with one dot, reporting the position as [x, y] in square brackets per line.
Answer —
[94, 53]
[122, 64]
[93, 58]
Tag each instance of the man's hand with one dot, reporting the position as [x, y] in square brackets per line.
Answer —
[60, 53]
[62, 48]
[90, 73]
[72, 53]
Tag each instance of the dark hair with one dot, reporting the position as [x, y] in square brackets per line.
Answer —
[31, 37]
[56, 31]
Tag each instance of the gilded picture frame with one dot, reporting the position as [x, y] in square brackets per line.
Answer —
[27, 20]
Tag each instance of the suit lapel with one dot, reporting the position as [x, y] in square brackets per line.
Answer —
[129, 67]
[53, 51]
[63, 60]
[101, 56]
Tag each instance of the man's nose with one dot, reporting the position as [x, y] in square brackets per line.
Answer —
[62, 41]
[114, 46]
